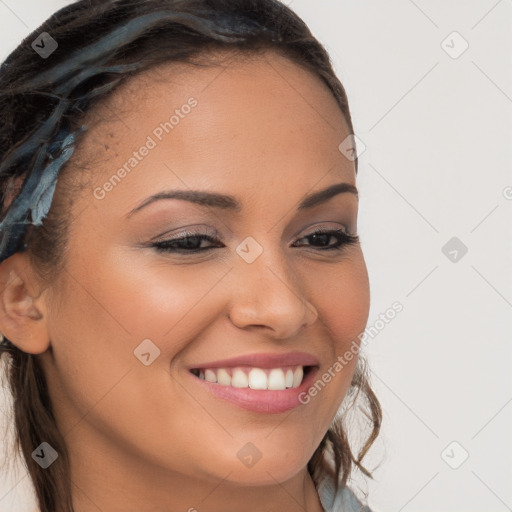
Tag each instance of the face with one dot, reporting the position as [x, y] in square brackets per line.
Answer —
[158, 294]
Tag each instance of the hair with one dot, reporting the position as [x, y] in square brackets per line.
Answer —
[101, 44]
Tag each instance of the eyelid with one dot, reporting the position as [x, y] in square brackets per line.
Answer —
[322, 228]
[194, 230]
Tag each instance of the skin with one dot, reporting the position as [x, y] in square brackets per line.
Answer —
[142, 438]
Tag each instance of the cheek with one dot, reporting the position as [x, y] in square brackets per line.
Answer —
[343, 302]
[167, 303]
[137, 295]
[94, 372]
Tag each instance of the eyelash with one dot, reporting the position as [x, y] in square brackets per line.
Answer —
[344, 239]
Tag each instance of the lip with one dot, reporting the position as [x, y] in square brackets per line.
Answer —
[268, 360]
[263, 401]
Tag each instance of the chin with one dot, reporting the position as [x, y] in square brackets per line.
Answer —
[265, 471]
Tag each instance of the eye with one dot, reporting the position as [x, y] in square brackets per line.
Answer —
[190, 243]
[187, 243]
[323, 236]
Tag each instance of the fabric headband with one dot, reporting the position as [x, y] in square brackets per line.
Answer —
[35, 197]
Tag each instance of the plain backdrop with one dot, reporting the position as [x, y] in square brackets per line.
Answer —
[430, 90]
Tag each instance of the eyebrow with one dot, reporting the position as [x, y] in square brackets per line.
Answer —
[227, 202]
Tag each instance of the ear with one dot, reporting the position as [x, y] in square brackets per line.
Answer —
[23, 305]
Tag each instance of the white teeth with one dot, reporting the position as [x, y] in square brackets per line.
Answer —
[210, 376]
[289, 378]
[297, 377]
[258, 379]
[275, 379]
[239, 379]
[223, 377]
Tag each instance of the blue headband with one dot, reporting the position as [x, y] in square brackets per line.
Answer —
[36, 194]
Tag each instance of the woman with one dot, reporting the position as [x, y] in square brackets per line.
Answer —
[179, 307]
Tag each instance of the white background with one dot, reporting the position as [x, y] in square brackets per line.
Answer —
[437, 165]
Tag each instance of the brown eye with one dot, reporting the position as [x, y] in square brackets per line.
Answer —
[189, 243]
[324, 236]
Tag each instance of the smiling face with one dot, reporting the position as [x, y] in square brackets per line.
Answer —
[135, 327]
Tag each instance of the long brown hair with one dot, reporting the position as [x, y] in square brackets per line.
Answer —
[100, 45]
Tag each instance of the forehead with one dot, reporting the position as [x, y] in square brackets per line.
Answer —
[216, 74]
[255, 118]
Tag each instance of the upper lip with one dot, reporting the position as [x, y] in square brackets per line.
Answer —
[268, 360]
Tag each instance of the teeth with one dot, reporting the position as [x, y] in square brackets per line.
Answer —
[223, 377]
[258, 379]
[255, 378]
[239, 379]
[297, 376]
[289, 378]
[210, 376]
[276, 380]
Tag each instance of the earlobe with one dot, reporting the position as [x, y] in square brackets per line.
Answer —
[23, 318]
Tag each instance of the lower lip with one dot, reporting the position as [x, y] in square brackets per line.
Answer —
[261, 400]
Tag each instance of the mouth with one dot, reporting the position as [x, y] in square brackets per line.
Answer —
[271, 379]
[259, 390]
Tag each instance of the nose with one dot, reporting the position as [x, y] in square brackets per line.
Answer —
[270, 295]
